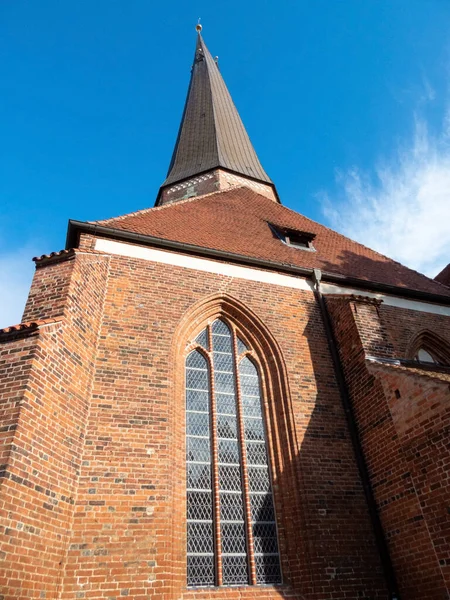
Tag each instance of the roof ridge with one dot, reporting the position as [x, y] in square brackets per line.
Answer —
[175, 203]
[440, 282]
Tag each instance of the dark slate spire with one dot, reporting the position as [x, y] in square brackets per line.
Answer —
[211, 133]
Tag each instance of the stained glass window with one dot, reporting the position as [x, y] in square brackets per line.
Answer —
[230, 513]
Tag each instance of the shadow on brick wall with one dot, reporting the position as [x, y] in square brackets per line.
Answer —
[338, 541]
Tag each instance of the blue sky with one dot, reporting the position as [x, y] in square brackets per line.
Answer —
[346, 102]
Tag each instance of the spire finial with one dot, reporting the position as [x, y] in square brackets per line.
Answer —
[198, 27]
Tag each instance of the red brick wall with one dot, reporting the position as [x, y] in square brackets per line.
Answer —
[128, 534]
[390, 455]
[44, 399]
[212, 182]
[92, 487]
[420, 410]
[49, 291]
[98, 510]
[404, 325]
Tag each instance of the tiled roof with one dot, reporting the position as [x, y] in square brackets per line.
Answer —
[236, 221]
[211, 132]
[444, 276]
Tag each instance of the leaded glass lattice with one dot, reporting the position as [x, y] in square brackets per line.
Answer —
[238, 442]
[232, 522]
[200, 523]
[241, 347]
[202, 339]
[265, 542]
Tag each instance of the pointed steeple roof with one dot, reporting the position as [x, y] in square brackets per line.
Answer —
[211, 133]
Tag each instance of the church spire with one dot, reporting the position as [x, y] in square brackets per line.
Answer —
[212, 139]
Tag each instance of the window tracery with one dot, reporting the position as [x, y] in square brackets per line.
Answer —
[231, 527]
[428, 348]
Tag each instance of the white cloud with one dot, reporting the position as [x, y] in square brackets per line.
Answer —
[402, 208]
[16, 273]
[429, 93]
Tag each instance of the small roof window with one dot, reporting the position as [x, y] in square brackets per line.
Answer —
[294, 237]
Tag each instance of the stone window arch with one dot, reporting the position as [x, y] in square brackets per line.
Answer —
[266, 355]
[429, 348]
[231, 526]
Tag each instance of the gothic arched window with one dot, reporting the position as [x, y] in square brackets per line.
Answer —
[231, 528]
[424, 356]
[428, 348]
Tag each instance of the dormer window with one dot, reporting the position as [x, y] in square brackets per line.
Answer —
[294, 237]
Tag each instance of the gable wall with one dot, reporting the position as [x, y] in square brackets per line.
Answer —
[124, 534]
[129, 534]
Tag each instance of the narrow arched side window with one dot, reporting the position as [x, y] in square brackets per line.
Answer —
[231, 527]
[424, 356]
[200, 532]
[428, 348]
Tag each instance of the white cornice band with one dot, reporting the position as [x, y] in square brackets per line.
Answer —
[251, 274]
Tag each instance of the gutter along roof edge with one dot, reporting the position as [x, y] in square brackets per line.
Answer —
[76, 227]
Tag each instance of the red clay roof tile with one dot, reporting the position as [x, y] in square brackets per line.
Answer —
[53, 255]
[444, 276]
[67, 253]
[236, 220]
[29, 325]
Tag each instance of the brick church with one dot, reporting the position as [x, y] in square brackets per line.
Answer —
[218, 398]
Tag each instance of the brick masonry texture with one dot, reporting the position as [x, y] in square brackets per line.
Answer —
[211, 182]
[119, 439]
[405, 325]
[129, 527]
[45, 395]
[403, 420]
[92, 494]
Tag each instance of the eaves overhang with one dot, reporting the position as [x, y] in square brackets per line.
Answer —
[75, 228]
